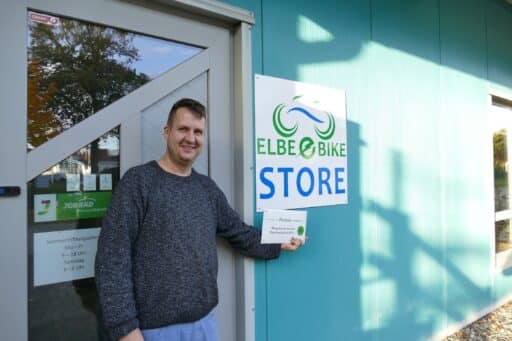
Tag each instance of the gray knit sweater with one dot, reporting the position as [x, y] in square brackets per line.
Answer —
[157, 259]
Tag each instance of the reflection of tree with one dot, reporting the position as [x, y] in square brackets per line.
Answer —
[42, 125]
[86, 66]
[500, 154]
[501, 190]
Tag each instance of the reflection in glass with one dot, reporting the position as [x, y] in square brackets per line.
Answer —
[76, 68]
[66, 204]
[503, 241]
[501, 175]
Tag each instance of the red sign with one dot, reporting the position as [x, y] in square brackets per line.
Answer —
[44, 19]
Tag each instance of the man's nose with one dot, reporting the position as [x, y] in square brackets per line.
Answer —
[190, 136]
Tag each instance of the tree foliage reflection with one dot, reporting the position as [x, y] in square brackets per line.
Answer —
[74, 70]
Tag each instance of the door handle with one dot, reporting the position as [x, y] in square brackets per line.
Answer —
[9, 191]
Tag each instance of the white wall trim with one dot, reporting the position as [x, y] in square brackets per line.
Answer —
[498, 93]
[212, 9]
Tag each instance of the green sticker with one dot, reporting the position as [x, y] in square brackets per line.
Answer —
[72, 206]
[300, 230]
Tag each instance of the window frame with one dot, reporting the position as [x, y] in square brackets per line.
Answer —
[501, 261]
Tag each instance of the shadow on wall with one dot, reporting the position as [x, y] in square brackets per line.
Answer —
[476, 43]
[406, 300]
[340, 288]
[344, 289]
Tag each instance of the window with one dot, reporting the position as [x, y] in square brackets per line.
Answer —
[75, 69]
[66, 204]
[502, 154]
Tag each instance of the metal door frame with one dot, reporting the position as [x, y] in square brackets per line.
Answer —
[23, 167]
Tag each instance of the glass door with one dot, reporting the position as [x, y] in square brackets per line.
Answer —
[97, 78]
[74, 69]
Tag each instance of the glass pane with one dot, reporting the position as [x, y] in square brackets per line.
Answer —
[76, 68]
[503, 240]
[501, 175]
[66, 204]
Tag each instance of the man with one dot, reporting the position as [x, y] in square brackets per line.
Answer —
[156, 265]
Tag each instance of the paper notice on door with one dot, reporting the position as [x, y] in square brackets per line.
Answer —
[72, 182]
[105, 182]
[62, 256]
[279, 226]
[90, 182]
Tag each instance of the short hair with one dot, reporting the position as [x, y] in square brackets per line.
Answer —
[195, 107]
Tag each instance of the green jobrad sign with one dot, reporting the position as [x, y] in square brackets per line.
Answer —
[70, 206]
[301, 149]
[82, 205]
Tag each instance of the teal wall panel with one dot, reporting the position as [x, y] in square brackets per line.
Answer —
[499, 26]
[466, 203]
[411, 254]
[322, 43]
[404, 102]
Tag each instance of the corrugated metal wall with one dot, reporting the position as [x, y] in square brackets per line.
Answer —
[411, 254]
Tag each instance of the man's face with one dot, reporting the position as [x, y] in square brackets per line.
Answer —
[184, 137]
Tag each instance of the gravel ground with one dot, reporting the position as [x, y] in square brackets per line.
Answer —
[495, 326]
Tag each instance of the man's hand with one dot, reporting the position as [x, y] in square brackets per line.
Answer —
[135, 335]
[293, 245]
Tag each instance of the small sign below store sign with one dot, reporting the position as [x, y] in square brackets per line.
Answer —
[301, 145]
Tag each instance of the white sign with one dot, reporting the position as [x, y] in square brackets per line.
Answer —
[105, 182]
[90, 182]
[45, 207]
[279, 226]
[72, 182]
[301, 145]
[63, 256]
